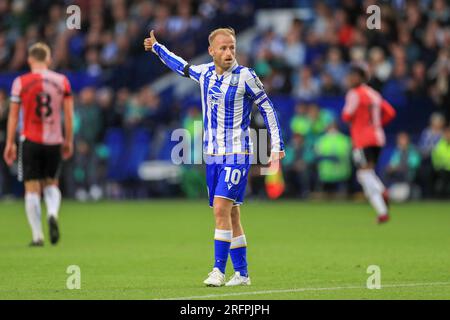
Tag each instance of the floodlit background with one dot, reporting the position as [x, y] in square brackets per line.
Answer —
[128, 103]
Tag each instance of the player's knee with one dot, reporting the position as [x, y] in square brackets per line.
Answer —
[220, 211]
[32, 186]
[367, 166]
[235, 215]
[50, 182]
[235, 219]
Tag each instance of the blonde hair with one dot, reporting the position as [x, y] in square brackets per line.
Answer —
[226, 31]
[39, 51]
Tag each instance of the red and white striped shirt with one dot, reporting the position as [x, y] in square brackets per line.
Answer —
[41, 95]
[367, 112]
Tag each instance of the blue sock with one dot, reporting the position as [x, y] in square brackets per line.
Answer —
[222, 242]
[238, 253]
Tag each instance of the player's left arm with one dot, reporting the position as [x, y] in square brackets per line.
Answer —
[388, 112]
[67, 147]
[255, 89]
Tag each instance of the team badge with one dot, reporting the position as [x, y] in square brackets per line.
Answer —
[234, 80]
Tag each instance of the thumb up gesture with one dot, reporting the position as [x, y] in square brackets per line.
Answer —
[149, 42]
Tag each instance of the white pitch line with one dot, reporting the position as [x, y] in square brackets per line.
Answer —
[400, 285]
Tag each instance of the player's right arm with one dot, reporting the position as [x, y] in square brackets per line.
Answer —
[351, 104]
[10, 152]
[174, 62]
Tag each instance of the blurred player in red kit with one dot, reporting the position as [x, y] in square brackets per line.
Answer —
[44, 97]
[367, 113]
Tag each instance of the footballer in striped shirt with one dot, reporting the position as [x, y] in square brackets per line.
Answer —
[228, 92]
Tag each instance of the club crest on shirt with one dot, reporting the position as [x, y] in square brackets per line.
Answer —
[208, 74]
[215, 97]
[234, 80]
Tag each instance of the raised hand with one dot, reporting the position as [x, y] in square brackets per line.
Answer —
[149, 42]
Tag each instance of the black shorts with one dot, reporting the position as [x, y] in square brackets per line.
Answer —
[39, 161]
[362, 157]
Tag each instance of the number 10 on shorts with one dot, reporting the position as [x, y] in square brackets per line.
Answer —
[232, 175]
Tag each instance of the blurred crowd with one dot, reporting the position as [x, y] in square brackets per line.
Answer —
[409, 57]
[108, 46]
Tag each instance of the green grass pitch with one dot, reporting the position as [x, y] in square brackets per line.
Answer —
[164, 249]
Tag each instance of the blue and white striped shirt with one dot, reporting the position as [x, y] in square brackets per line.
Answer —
[227, 102]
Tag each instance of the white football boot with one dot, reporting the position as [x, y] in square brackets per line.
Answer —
[238, 280]
[215, 278]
